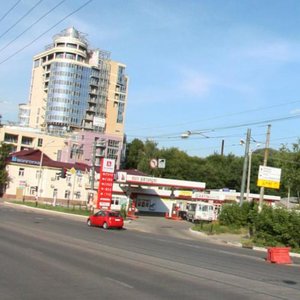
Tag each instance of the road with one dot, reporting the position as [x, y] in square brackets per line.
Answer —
[49, 256]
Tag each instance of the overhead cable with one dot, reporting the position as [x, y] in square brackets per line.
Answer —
[173, 135]
[34, 23]
[20, 19]
[11, 9]
[45, 32]
[224, 115]
[256, 123]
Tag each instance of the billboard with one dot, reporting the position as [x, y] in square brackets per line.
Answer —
[269, 177]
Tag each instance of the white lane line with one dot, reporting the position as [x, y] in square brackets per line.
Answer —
[120, 282]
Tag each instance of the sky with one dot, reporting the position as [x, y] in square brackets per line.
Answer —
[213, 68]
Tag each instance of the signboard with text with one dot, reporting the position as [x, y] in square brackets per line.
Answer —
[106, 181]
[269, 177]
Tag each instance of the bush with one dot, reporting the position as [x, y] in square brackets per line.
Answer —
[235, 215]
[277, 227]
[123, 212]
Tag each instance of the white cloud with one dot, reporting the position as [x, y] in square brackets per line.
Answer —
[295, 111]
[276, 50]
[195, 83]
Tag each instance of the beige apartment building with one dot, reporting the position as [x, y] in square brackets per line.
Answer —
[25, 138]
[78, 99]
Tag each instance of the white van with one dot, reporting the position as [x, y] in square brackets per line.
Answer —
[197, 211]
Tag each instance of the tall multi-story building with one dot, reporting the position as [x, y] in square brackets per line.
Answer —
[75, 88]
[24, 113]
[72, 84]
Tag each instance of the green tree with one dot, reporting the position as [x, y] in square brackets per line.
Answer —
[134, 152]
[5, 149]
[150, 151]
[289, 162]
[222, 171]
[177, 164]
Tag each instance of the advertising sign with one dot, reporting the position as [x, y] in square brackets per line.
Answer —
[98, 121]
[269, 177]
[106, 181]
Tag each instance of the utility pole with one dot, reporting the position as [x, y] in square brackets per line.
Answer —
[246, 156]
[262, 189]
[222, 148]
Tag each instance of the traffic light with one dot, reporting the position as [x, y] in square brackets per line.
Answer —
[63, 173]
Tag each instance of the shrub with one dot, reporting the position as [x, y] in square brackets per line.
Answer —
[123, 212]
[235, 215]
[277, 227]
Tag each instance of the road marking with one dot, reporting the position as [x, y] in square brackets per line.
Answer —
[120, 282]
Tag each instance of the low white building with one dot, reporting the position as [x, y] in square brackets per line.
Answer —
[34, 176]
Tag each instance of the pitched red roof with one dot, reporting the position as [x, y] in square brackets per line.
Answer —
[33, 157]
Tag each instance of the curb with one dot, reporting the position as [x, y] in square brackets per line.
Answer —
[240, 245]
[53, 211]
[44, 210]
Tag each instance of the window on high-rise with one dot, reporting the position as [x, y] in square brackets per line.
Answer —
[120, 112]
[71, 45]
[70, 56]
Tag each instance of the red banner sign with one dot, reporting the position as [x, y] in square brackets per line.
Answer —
[106, 181]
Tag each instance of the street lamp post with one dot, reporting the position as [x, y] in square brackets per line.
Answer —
[188, 133]
[247, 143]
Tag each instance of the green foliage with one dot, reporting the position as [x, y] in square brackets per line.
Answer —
[217, 171]
[278, 227]
[123, 211]
[76, 210]
[5, 149]
[235, 215]
[217, 228]
[270, 227]
[134, 152]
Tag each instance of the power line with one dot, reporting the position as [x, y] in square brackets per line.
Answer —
[174, 135]
[34, 23]
[224, 116]
[11, 9]
[45, 32]
[20, 19]
[256, 123]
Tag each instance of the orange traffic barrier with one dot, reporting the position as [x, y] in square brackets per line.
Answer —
[279, 255]
[172, 217]
[131, 214]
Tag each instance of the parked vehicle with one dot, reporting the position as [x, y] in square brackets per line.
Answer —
[106, 219]
[197, 211]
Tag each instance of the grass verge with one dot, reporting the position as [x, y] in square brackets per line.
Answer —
[216, 228]
[76, 210]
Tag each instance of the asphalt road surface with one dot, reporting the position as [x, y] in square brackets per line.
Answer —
[49, 256]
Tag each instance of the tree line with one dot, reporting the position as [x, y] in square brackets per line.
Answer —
[217, 171]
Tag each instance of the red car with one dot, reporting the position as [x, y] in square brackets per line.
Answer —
[106, 219]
